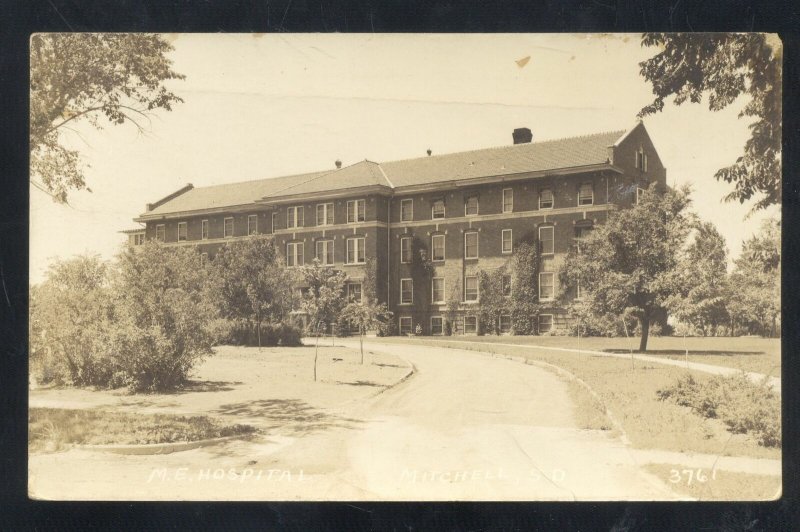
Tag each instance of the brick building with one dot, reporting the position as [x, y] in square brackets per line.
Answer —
[466, 211]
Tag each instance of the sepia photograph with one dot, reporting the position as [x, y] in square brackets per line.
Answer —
[405, 267]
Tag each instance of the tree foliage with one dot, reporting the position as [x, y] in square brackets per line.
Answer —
[628, 265]
[90, 76]
[366, 315]
[724, 66]
[324, 296]
[250, 282]
[492, 303]
[525, 292]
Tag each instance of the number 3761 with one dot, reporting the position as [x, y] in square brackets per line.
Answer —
[676, 476]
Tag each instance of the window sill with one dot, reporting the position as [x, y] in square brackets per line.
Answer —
[354, 263]
[471, 302]
[404, 304]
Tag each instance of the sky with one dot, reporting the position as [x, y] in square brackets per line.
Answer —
[260, 106]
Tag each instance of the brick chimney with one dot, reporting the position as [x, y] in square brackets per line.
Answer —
[522, 135]
[338, 163]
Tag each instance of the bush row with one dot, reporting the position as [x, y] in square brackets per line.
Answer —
[246, 334]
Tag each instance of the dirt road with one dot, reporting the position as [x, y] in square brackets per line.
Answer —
[464, 427]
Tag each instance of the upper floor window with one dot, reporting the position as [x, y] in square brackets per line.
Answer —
[437, 290]
[405, 250]
[546, 199]
[294, 217]
[586, 194]
[546, 240]
[507, 245]
[406, 210]
[641, 160]
[354, 292]
[355, 211]
[160, 232]
[294, 254]
[437, 245]
[182, 231]
[471, 245]
[355, 250]
[274, 221]
[227, 227]
[547, 286]
[581, 232]
[506, 280]
[470, 288]
[471, 206]
[508, 200]
[204, 229]
[437, 209]
[324, 252]
[325, 214]
[406, 291]
[252, 224]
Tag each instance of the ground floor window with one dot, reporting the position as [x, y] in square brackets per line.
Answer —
[470, 324]
[437, 325]
[545, 323]
[354, 292]
[505, 323]
[405, 325]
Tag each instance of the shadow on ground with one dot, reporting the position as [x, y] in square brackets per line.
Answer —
[710, 352]
[362, 383]
[289, 415]
[205, 386]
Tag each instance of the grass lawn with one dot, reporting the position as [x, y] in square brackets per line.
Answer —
[52, 429]
[723, 485]
[760, 355]
[630, 394]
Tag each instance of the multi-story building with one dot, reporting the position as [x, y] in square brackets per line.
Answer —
[466, 212]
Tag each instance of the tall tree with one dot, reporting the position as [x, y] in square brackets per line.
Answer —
[88, 76]
[725, 66]
[755, 283]
[701, 297]
[251, 283]
[628, 265]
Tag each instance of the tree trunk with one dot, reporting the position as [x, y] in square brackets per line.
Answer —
[316, 351]
[361, 341]
[644, 322]
[258, 332]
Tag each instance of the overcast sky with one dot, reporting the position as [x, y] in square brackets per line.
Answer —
[271, 105]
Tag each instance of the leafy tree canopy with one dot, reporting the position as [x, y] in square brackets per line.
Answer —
[725, 66]
[89, 76]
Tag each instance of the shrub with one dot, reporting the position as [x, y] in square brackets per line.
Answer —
[744, 406]
[287, 334]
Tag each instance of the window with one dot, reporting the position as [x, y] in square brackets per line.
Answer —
[437, 325]
[578, 290]
[641, 160]
[507, 246]
[546, 286]
[324, 252]
[294, 254]
[586, 194]
[227, 227]
[355, 250]
[546, 199]
[405, 250]
[355, 211]
[471, 206]
[437, 290]
[508, 200]
[294, 217]
[252, 224]
[204, 229]
[470, 324]
[505, 324]
[274, 221]
[160, 232]
[639, 194]
[406, 291]
[506, 285]
[545, 323]
[437, 244]
[138, 239]
[354, 292]
[581, 232]
[181, 231]
[325, 214]
[471, 245]
[470, 288]
[406, 210]
[546, 240]
[437, 209]
[203, 259]
[405, 325]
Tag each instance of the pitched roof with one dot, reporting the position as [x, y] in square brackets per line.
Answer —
[503, 160]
